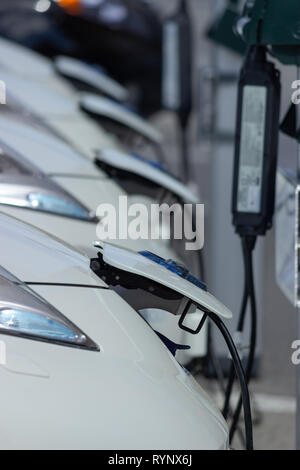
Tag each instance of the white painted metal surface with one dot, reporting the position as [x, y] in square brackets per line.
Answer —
[58, 109]
[85, 73]
[108, 109]
[142, 168]
[138, 264]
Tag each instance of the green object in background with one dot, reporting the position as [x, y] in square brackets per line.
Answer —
[222, 31]
[287, 55]
[275, 23]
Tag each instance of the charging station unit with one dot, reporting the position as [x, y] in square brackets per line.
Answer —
[221, 242]
[271, 24]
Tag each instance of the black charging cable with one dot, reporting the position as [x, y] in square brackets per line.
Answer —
[237, 364]
[238, 368]
[248, 244]
[240, 328]
[251, 356]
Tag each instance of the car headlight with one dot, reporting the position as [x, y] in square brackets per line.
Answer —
[24, 313]
[22, 185]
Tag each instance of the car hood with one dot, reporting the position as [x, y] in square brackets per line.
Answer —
[66, 398]
[59, 111]
[34, 256]
[24, 62]
[51, 155]
[31, 65]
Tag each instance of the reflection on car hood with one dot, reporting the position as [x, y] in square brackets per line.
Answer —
[34, 256]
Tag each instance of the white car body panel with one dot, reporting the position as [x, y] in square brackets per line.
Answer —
[83, 133]
[125, 161]
[91, 191]
[25, 62]
[33, 248]
[136, 263]
[78, 70]
[59, 111]
[54, 157]
[53, 95]
[77, 233]
[130, 394]
[107, 108]
[29, 64]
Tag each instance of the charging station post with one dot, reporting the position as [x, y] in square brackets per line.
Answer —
[177, 76]
[271, 24]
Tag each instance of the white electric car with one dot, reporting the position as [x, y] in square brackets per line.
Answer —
[34, 161]
[79, 368]
[33, 86]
